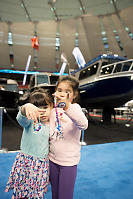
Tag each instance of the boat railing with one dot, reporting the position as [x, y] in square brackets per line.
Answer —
[117, 67]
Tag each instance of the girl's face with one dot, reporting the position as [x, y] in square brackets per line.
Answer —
[45, 114]
[64, 89]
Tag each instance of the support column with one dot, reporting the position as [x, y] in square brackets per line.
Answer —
[1, 124]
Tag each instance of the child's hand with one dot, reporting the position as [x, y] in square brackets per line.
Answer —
[62, 97]
[32, 112]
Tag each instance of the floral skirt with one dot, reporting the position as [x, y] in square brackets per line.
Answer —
[29, 177]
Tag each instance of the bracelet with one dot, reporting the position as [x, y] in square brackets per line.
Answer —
[61, 105]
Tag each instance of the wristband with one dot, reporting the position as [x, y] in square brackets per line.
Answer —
[61, 105]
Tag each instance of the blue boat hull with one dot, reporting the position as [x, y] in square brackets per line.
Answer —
[109, 92]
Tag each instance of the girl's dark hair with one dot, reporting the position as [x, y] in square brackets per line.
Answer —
[73, 82]
[41, 97]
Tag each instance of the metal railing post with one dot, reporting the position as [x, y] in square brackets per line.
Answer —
[82, 132]
[1, 124]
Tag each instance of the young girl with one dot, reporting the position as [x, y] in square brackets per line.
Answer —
[29, 177]
[65, 131]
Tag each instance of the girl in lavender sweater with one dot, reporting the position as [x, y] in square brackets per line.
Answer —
[65, 131]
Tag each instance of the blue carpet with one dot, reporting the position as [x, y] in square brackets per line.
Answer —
[104, 172]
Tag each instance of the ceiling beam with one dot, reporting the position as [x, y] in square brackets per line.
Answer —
[51, 3]
[27, 13]
[82, 7]
[115, 8]
[130, 34]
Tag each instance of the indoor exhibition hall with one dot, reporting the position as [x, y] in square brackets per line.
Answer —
[66, 99]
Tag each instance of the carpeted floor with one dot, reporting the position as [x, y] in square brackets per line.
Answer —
[105, 171]
[106, 167]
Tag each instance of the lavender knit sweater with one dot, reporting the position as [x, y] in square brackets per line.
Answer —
[66, 152]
